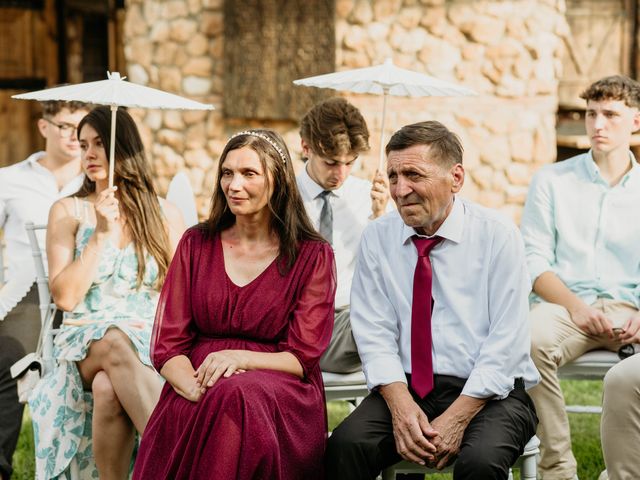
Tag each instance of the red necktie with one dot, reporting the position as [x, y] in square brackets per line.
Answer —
[421, 358]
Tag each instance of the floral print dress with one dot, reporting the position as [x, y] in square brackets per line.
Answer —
[61, 409]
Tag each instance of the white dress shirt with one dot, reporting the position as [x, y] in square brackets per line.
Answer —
[27, 192]
[351, 205]
[587, 232]
[480, 287]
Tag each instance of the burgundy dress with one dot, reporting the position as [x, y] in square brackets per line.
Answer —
[262, 424]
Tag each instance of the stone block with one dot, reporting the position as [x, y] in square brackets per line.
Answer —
[495, 151]
[171, 138]
[137, 74]
[141, 51]
[439, 55]
[159, 32]
[198, 45]
[174, 9]
[482, 176]
[199, 66]
[490, 198]
[409, 17]
[461, 13]
[212, 23]
[196, 137]
[193, 116]
[521, 145]
[173, 119]
[414, 41]
[511, 87]
[344, 8]
[377, 31]
[135, 24]
[433, 19]
[196, 86]
[170, 78]
[198, 158]
[362, 12]
[356, 38]
[385, 10]
[165, 55]
[182, 30]
[484, 29]
[397, 36]
[519, 174]
[516, 194]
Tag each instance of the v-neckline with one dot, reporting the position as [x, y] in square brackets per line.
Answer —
[254, 279]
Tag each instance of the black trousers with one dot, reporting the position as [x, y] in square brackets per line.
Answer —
[363, 444]
[18, 335]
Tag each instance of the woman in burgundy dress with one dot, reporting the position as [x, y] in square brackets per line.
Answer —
[245, 313]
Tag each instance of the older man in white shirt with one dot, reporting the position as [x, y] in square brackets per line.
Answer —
[340, 206]
[27, 191]
[581, 230]
[439, 313]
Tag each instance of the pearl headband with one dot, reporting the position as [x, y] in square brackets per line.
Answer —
[265, 138]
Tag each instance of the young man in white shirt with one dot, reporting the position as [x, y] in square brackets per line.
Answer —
[443, 334]
[27, 191]
[340, 205]
[581, 230]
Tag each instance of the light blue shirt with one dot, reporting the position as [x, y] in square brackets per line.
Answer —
[585, 231]
[480, 292]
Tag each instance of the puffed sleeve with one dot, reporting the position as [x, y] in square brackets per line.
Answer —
[312, 317]
[173, 331]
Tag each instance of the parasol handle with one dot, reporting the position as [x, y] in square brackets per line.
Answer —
[112, 144]
[384, 114]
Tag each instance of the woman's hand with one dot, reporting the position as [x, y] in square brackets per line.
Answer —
[107, 211]
[190, 390]
[220, 364]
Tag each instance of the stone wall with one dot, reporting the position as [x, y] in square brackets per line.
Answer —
[507, 51]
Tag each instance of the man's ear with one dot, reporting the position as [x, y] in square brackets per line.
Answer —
[305, 148]
[42, 127]
[636, 120]
[457, 177]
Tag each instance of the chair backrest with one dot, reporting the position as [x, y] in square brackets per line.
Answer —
[47, 307]
[2, 265]
[181, 195]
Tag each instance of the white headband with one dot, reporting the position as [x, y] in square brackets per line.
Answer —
[265, 138]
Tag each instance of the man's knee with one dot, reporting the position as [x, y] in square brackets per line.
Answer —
[478, 462]
[622, 380]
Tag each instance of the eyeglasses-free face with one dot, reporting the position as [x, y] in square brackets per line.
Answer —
[66, 130]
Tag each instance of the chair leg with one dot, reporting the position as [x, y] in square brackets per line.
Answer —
[529, 469]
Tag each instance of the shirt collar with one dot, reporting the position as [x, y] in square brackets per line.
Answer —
[34, 159]
[593, 171]
[451, 228]
[313, 189]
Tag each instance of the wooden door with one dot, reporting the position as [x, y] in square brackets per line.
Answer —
[600, 43]
[27, 62]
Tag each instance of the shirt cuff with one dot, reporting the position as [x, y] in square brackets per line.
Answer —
[383, 370]
[488, 384]
[537, 267]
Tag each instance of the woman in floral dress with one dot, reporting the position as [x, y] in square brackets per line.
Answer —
[108, 250]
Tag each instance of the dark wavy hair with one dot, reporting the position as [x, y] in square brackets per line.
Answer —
[335, 127]
[136, 194]
[289, 219]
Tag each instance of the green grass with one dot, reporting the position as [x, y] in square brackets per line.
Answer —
[585, 433]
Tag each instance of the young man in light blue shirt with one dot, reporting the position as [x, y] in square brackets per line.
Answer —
[581, 235]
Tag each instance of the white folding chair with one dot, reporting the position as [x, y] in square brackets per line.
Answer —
[181, 195]
[592, 365]
[2, 265]
[351, 387]
[47, 307]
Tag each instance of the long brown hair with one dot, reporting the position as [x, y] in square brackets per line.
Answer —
[136, 194]
[289, 219]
